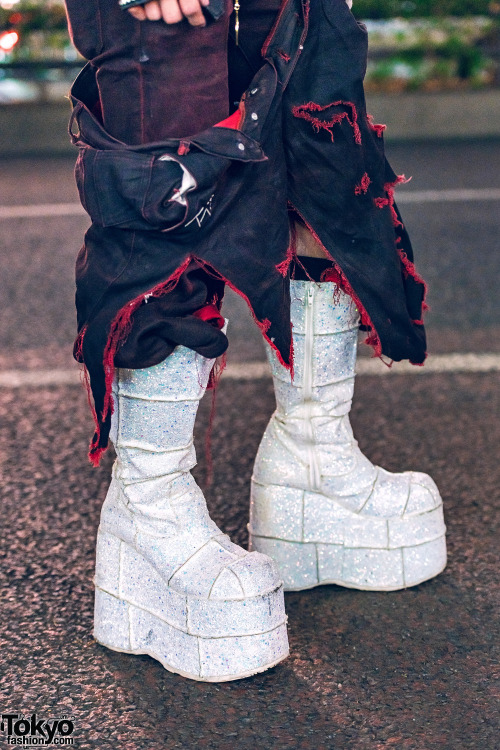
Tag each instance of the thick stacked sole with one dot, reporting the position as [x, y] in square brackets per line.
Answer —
[316, 541]
[136, 612]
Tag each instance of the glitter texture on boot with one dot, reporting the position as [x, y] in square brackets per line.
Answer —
[319, 507]
[168, 582]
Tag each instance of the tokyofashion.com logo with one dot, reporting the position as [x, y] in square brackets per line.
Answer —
[30, 731]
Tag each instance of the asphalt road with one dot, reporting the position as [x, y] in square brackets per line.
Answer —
[411, 670]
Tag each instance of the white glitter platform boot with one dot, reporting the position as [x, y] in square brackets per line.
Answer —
[168, 582]
[319, 507]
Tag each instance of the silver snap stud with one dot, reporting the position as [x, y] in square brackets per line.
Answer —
[241, 146]
[255, 116]
[254, 91]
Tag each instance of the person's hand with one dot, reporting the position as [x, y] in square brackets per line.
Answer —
[171, 11]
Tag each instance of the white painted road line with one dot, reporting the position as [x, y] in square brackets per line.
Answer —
[437, 363]
[41, 211]
[447, 196]
[54, 210]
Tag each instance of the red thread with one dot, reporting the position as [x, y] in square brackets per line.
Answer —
[264, 325]
[119, 330]
[389, 198]
[408, 266]
[376, 127]
[85, 380]
[142, 102]
[284, 55]
[303, 112]
[304, 269]
[363, 186]
[283, 267]
[122, 324]
[78, 346]
[268, 41]
[410, 270]
[336, 275]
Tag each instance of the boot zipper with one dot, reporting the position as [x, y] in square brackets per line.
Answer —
[314, 470]
[308, 344]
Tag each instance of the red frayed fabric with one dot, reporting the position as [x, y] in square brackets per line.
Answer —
[376, 127]
[304, 112]
[263, 325]
[95, 453]
[408, 266]
[120, 328]
[284, 266]
[183, 148]
[410, 270]
[337, 276]
[78, 348]
[122, 324]
[363, 186]
[388, 199]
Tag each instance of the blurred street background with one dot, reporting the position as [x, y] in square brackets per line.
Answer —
[412, 670]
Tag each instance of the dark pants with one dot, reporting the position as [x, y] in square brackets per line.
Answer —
[158, 81]
[309, 142]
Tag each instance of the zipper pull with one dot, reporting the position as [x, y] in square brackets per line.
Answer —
[310, 296]
[236, 21]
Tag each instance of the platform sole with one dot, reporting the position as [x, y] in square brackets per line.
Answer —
[136, 612]
[315, 541]
[306, 565]
[122, 627]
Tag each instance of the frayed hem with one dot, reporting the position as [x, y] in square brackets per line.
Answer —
[304, 112]
[121, 327]
[337, 276]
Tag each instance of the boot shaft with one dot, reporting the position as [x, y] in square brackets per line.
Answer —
[325, 325]
[153, 491]
[154, 414]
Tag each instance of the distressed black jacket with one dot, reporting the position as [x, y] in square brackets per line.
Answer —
[301, 139]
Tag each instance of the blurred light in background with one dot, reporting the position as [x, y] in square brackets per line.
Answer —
[8, 41]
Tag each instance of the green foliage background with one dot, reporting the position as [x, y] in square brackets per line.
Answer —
[38, 15]
[420, 8]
